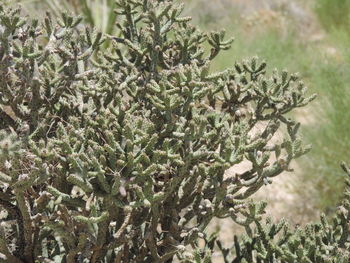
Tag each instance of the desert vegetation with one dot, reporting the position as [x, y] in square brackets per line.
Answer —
[129, 129]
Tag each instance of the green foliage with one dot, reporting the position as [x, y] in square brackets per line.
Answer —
[333, 84]
[333, 129]
[120, 154]
[326, 241]
[334, 14]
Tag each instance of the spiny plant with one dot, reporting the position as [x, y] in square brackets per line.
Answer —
[266, 241]
[119, 154]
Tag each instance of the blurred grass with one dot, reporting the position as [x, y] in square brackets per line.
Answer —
[334, 14]
[332, 140]
[330, 133]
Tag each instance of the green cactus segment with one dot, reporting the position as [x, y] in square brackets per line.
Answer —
[268, 241]
[118, 153]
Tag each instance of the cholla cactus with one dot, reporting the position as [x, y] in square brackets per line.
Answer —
[119, 155]
[326, 241]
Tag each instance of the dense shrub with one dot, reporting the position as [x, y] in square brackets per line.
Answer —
[266, 241]
[119, 154]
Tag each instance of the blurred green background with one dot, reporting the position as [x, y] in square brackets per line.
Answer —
[310, 37]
